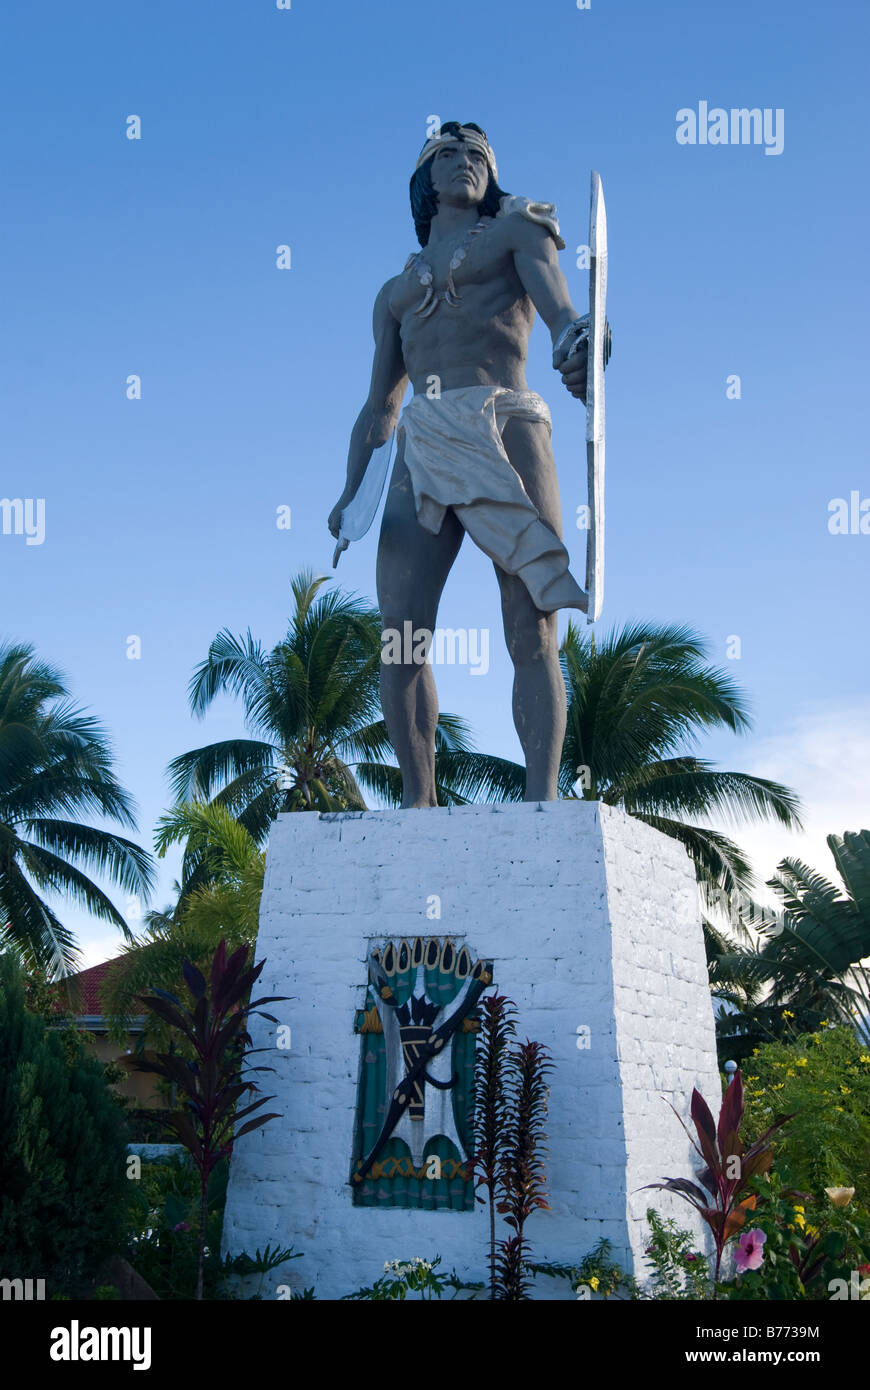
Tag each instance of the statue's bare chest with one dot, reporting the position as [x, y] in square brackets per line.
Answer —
[437, 274]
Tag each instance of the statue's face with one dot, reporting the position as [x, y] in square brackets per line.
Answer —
[460, 173]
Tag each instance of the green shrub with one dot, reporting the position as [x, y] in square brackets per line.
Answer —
[678, 1270]
[149, 1126]
[823, 1080]
[808, 1243]
[165, 1216]
[596, 1274]
[62, 1151]
[418, 1278]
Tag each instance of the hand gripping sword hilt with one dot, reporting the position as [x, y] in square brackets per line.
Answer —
[575, 339]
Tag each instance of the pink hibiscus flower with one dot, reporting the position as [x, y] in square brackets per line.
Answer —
[750, 1251]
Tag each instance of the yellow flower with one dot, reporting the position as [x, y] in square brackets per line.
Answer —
[753, 1078]
[800, 1208]
[845, 1090]
[594, 1282]
[778, 1086]
[801, 1062]
[825, 1023]
[812, 1231]
[801, 1220]
[840, 1108]
[840, 1196]
[791, 1073]
[864, 1058]
[755, 1051]
[787, 1013]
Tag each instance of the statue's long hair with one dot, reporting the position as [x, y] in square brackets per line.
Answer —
[424, 199]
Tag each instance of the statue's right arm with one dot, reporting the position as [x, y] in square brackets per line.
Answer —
[377, 419]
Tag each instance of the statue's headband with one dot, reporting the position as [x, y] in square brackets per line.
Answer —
[468, 137]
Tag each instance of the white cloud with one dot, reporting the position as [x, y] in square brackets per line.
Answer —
[98, 941]
[824, 755]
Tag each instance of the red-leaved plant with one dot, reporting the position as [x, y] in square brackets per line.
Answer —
[510, 1107]
[722, 1198]
[216, 1029]
[521, 1177]
[497, 1028]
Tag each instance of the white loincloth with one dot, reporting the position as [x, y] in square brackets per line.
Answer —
[455, 457]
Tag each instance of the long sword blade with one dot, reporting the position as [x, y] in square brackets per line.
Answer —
[595, 398]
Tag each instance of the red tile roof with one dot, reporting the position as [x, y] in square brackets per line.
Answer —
[89, 985]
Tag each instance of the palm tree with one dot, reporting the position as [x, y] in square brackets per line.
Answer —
[55, 769]
[809, 956]
[221, 852]
[313, 706]
[635, 701]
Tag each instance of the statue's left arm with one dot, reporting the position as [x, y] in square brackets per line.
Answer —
[536, 261]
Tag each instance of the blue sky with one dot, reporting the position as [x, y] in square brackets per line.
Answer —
[263, 127]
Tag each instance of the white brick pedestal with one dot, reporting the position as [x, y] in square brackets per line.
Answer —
[591, 919]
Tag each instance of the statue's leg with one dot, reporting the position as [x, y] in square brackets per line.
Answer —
[413, 566]
[539, 704]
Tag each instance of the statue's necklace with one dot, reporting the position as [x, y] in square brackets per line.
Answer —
[425, 275]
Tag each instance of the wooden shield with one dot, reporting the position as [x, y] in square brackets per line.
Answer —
[599, 351]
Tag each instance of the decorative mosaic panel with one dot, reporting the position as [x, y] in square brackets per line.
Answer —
[414, 1122]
